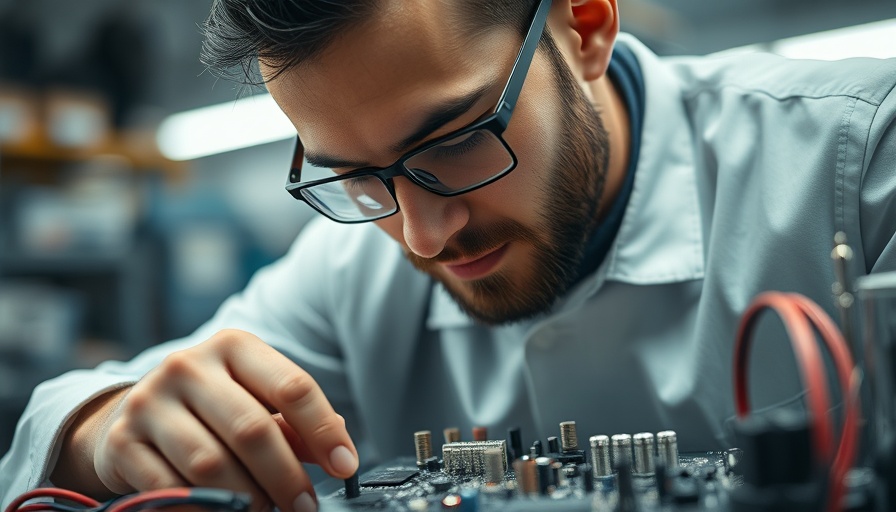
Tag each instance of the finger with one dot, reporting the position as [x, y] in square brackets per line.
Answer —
[141, 468]
[200, 457]
[240, 421]
[278, 381]
[292, 438]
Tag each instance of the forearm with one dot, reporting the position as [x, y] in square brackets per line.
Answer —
[74, 469]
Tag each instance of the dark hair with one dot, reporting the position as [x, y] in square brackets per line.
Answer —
[285, 33]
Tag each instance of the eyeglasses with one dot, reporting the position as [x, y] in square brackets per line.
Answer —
[459, 162]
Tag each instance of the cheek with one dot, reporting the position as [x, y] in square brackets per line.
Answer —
[393, 227]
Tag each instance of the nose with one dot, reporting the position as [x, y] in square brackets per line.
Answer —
[428, 220]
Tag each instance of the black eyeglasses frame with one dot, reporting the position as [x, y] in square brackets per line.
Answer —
[496, 123]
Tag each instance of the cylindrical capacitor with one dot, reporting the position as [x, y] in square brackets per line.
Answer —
[553, 445]
[469, 499]
[494, 465]
[600, 456]
[423, 444]
[452, 435]
[622, 449]
[480, 434]
[642, 443]
[568, 439]
[537, 450]
[526, 475]
[545, 482]
[667, 449]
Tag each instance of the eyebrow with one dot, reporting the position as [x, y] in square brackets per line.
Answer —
[435, 119]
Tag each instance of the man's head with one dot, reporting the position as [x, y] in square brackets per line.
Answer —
[356, 78]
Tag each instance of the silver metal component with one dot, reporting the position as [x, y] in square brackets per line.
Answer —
[568, 439]
[622, 448]
[667, 448]
[423, 444]
[642, 444]
[468, 458]
[526, 475]
[495, 465]
[452, 434]
[600, 456]
[557, 474]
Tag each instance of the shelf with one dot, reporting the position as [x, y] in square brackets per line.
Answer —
[138, 148]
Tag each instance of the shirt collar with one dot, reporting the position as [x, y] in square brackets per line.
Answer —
[652, 246]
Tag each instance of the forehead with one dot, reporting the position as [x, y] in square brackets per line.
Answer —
[364, 90]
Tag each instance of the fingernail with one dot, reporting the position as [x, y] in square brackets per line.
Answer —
[343, 461]
[304, 503]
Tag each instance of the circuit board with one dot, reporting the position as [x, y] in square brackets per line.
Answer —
[700, 483]
[488, 475]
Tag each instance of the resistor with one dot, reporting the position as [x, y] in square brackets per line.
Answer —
[423, 445]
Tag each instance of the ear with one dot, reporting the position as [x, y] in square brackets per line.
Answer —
[586, 30]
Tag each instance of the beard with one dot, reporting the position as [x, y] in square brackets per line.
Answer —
[570, 192]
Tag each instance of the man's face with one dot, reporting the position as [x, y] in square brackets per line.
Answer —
[507, 250]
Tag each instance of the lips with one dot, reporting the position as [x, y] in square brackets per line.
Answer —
[478, 267]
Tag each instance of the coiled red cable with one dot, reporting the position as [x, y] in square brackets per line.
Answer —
[800, 315]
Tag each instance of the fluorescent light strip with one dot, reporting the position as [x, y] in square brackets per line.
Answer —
[258, 120]
[216, 129]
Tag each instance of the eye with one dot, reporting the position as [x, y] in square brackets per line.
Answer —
[459, 145]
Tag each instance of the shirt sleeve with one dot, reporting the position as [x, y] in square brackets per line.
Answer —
[878, 186]
[284, 304]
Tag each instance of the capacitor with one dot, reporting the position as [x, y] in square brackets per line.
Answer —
[568, 439]
[494, 465]
[600, 455]
[526, 475]
[622, 449]
[667, 449]
[543, 465]
[423, 445]
[537, 450]
[553, 445]
[452, 434]
[642, 444]
[480, 434]
[469, 499]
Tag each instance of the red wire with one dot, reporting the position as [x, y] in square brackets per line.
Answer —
[844, 365]
[51, 492]
[808, 358]
[796, 311]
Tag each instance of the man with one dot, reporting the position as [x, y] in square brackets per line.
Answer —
[572, 235]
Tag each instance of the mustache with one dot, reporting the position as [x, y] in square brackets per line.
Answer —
[475, 241]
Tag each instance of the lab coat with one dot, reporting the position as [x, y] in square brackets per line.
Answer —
[748, 166]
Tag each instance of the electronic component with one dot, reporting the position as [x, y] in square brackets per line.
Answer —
[642, 445]
[423, 445]
[622, 449]
[468, 458]
[600, 456]
[388, 478]
[667, 448]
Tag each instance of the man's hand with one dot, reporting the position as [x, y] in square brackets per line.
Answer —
[203, 418]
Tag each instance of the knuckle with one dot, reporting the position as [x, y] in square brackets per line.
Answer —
[137, 402]
[294, 389]
[178, 365]
[118, 436]
[206, 465]
[151, 480]
[227, 338]
[327, 427]
[252, 430]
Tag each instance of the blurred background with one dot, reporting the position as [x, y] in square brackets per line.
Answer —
[122, 224]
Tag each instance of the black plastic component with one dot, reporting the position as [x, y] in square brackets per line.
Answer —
[627, 501]
[441, 484]
[537, 449]
[352, 487]
[545, 475]
[433, 465]
[662, 480]
[389, 478]
[516, 444]
[684, 491]
[778, 465]
[553, 444]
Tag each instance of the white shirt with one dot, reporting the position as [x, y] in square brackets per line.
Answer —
[748, 166]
